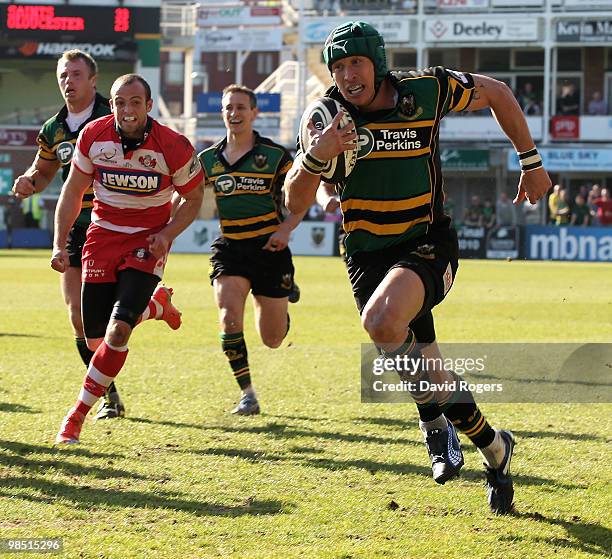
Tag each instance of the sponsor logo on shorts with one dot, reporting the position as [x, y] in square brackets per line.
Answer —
[141, 254]
[136, 182]
[425, 251]
[286, 281]
[64, 152]
[448, 278]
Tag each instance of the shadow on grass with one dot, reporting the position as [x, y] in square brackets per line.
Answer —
[68, 450]
[391, 422]
[592, 538]
[23, 458]
[284, 431]
[371, 466]
[16, 408]
[260, 456]
[19, 335]
[557, 435]
[85, 497]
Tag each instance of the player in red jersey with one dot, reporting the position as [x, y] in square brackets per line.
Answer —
[135, 164]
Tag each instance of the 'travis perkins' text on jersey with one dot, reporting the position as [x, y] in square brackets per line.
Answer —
[133, 190]
[394, 193]
[56, 143]
[248, 193]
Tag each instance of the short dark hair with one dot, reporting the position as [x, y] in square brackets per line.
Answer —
[237, 88]
[76, 54]
[127, 79]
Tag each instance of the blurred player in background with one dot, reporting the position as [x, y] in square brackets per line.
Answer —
[76, 76]
[136, 165]
[401, 248]
[247, 173]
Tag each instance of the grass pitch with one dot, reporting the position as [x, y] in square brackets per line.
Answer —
[318, 474]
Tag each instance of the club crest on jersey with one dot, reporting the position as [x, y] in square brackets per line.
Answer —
[261, 160]
[147, 161]
[64, 152]
[136, 183]
[407, 105]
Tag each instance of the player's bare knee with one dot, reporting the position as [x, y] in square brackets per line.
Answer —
[380, 326]
[230, 320]
[118, 333]
[271, 340]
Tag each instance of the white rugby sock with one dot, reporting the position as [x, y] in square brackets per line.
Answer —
[438, 423]
[494, 453]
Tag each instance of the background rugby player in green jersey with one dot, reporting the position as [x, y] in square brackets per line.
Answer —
[247, 173]
[76, 76]
[401, 248]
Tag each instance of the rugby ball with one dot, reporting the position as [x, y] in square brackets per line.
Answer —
[322, 111]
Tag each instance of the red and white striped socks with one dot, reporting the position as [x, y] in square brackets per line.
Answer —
[105, 365]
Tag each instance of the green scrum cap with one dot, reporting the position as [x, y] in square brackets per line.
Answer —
[357, 38]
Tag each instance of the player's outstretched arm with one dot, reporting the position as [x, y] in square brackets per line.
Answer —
[36, 178]
[68, 208]
[186, 211]
[496, 95]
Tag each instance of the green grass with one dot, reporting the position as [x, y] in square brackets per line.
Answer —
[316, 474]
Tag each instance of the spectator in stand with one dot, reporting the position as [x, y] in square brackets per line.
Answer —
[604, 208]
[584, 192]
[473, 216]
[593, 195]
[488, 213]
[563, 214]
[597, 106]
[581, 214]
[568, 102]
[553, 202]
[505, 213]
[528, 100]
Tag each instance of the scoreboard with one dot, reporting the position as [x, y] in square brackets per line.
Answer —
[74, 22]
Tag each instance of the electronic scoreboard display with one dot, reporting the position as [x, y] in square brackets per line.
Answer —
[74, 22]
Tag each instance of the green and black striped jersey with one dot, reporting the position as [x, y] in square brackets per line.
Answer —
[395, 192]
[249, 192]
[56, 143]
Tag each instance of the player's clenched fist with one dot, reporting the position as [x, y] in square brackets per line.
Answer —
[59, 260]
[23, 187]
